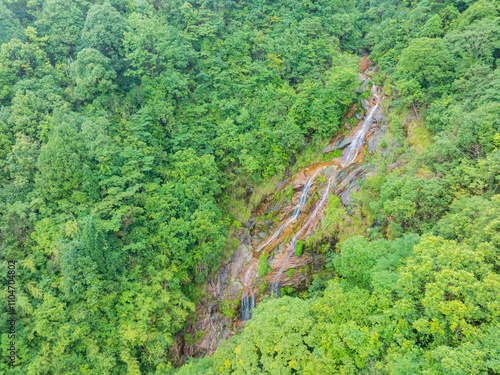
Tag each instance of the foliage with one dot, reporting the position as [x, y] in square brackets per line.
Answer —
[103, 30]
[92, 74]
[131, 131]
[262, 267]
[299, 248]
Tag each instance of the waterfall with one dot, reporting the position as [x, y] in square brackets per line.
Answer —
[296, 211]
[275, 287]
[351, 151]
[247, 303]
[247, 306]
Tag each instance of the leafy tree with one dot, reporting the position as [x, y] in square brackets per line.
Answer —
[62, 23]
[413, 203]
[92, 74]
[10, 27]
[20, 60]
[63, 168]
[190, 230]
[425, 68]
[276, 341]
[445, 307]
[104, 29]
[33, 106]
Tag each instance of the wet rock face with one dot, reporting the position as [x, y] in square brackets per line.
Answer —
[241, 256]
[341, 143]
[234, 290]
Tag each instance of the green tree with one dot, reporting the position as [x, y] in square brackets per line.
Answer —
[10, 27]
[33, 106]
[191, 233]
[92, 74]
[424, 69]
[64, 172]
[276, 340]
[104, 29]
[20, 60]
[62, 22]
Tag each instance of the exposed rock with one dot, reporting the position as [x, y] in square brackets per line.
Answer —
[249, 192]
[240, 258]
[364, 85]
[378, 115]
[395, 165]
[328, 148]
[329, 170]
[375, 139]
[234, 290]
[250, 225]
[238, 278]
[243, 236]
[282, 182]
[364, 64]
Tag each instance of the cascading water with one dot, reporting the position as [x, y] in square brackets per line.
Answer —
[347, 157]
[275, 287]
[351, 151]
[248, 301]
[237, 275]
[296, 211]
[247, 306]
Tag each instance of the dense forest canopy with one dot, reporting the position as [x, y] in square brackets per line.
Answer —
[131, 130]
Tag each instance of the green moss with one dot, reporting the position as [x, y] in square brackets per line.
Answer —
[262, 268]
[263, 286]
[230, 307]
[290, 272]
[286, 290]
[299, 248]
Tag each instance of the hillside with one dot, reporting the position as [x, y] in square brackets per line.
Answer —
[252, 187]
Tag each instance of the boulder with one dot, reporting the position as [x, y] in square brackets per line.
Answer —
[234, 290]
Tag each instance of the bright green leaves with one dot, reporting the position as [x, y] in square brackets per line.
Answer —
[191, 233]
[63, 171]
[413, 203]
[277, 340]
[262, 267]
[88, 264]
[475, 221]
[154, 47]
[61, 21]
[424, 69]
[367, 264]
[33, 106]
[92, 74]
[343, 329]
[20, 60]
[10, 27]
[104, 30]
[449, 299]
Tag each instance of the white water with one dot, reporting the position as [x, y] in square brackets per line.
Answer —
[351, 151]
[247, 306]
[248, 301]
[275, 287]
[347, 157]
[296, 211]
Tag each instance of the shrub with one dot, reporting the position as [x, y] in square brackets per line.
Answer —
[262, 268]
[299, 248]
